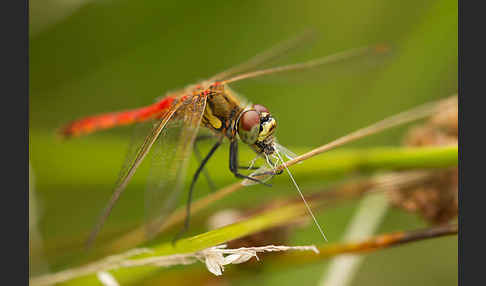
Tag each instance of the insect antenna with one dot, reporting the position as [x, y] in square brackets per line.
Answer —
[302, 196]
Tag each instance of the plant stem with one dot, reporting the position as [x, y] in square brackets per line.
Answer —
[337, 162]
[370, 244]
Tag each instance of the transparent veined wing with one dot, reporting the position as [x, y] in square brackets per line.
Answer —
[257, 66]
[267, 171]
[137, 138]
[345, 55]
[170, 159]
[134, 158]
[267, 56]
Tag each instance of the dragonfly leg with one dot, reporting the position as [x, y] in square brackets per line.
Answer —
[248, 167]
[272, 173]
[197, 154]
[233, 164]
[191, 188]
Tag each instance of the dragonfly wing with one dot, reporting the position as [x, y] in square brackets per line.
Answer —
[289, 154]
[140, 131]
[135, 156]
[263, 174]
[317, 63]
[266, 172]
[267, 56]
[170, 159]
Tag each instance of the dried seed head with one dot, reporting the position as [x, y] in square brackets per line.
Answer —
[428, 135]
[447, 120]
[436, 199]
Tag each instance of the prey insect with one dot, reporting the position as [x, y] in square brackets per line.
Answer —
[211, 104]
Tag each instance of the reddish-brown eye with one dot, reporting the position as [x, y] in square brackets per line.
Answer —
[260, 108]
[249, 119]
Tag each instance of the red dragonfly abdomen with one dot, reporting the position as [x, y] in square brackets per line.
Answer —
[94, 123]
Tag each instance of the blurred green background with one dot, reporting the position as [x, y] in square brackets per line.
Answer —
[88, 57]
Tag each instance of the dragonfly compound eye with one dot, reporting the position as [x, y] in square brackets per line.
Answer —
[249, 126]
[260, 108]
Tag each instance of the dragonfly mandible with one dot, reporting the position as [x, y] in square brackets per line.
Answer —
[211, 104]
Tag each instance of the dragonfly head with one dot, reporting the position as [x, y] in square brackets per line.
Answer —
[256, 127]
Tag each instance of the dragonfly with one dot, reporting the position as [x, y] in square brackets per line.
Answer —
[211, 104]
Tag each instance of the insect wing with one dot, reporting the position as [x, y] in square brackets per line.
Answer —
[170, 159]
[267, 56]
[138, 137]
[286, 152]
[347, 55]
[263, 174]
[133, 160]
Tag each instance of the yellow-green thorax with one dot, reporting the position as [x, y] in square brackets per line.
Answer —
[222, 110]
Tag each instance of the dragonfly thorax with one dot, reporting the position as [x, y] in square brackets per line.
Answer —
[256, 127]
